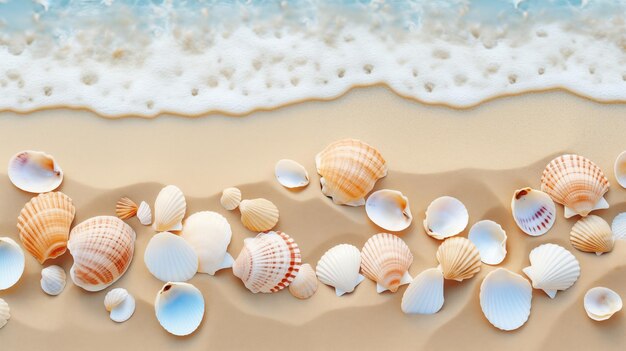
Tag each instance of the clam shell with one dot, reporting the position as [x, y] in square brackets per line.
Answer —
[53, 279]
[169, 209]
[125, 208]
[231, 197]
[601, 303]
[258, 215]
[120, 304]
[209, 234]
[305, 283]
[102, 248]
[389, 209]
[179, 308]
[5, 313]
[620, 169]
[291, 174]
[169, 257]
[592, 234]
[446, 216]
[618, 227]
[490, 240]
[349, 170]
[425, 293]
[576, 183]
[505, 298]
[458, 259]
[339, 268]
[386, 259]
[35, 172]
[552, 268]
[44, 225]
[11, 262]
[144, 213]
[533, 210]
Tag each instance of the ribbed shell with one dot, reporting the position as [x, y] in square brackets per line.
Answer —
[458, 258]
[339, 267]
[35, 172]
[592, 234]
[386, 259]
[179, 308]
[125, 208]
[258, 215]
[533, 210]
[209, 234]
[5, 313]
[349, 170]
[11, 263]
[552, 268]
[169, 209]
[169, 257]
[44, 225]
[231, 197]
[618, 226]
[505, 298]
[305, 284]
[425, 293]
[620, 169]
[114, 298]
[53, 280]
[144, 213]
[120, 304]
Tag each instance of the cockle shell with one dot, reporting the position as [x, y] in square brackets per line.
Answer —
[592, 234]
[209, 234]
[231, 197]
[5, 313]
[11, 262]
[576, 183]
[305, 283]
[339, 267]
[44, 225]
[425, 293]
[120, 304]
[618, 227]
[552, 268]
[35, 172]
[169, 257]
[446, 216]
[144, 213]
[169, 209]
[53, 279]
[179, 308]
[601, 303]
[291, 174]
[102, 248]
[389, 209]
[349, 170]
[533, 210]
[490, 240]
[125, 208]
[620, 169]
[258, 215]
[386, 259]
[458, 259]
[505, 298]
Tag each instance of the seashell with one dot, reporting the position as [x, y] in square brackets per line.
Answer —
[120, 304]
[425, 293]
[446, 216]
[339, 267]
[620, 169]
[169, 209]
[231, 197]
[169, 257]
[600, 303]
[389, 209]
[268, 262]
[102, 248]
[291, 174]
[53, 280]
[305, 283]
[179, 308]
[144, 213]
[349, 169]
[11, 262]
[35, 172]
[552, 268]
[5, 313]
[592, 234]
[44, 225]
[386, 259]
[576, 183]
[618, 227]
[125, 208]
[458, 259]
[505, 299]
[209, 235]
[258, 215]
[533, 210]
[490, 240]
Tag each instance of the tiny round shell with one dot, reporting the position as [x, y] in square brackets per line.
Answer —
[231, 198]
[601, 303]
[490, 240]
[389, 209]
[458, 259]
[169, 257]
[35, 172]
[291, 174]
[258, 215]
[533, 210]
[53, 280]
[5, 313]
[120, 304]
[125, 208]
[446, 216]
[505, 298]
[169, 209]
[592, 234]
[179, 308]
[144, 213]
[305, 283]
[552, 268]
[386, 259]
[339, 267]
[620, 169]
[425, 293]
[12, 263]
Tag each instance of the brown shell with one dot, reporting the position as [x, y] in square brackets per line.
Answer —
[125, 208]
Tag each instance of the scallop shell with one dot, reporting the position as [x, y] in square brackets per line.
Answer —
[339, 268]
[125, 208]
[44, 225]
[533, 210]
[601, 303]
[576, 183]
[179, 308]
[53, 280]
[144, 213]
[386, 259]
[102, 248]
[505, 298]
[291, 174]
[592, 234]
[349, 170]
[620, 169]
[120, 304]
[305, 283]
[618, 227]
[231, 197]
[169, 257]
[35, 172]
[425, 293]
[490, 240]
[445, 217]
[389, 209]
[458, 259]
[258, 215]
[209, 234]
[552, 268]
[11, 262]
[5, 313]
[169, 209]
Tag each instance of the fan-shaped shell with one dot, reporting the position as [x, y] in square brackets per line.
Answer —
[125, 208]
[592, 234]
[231, 197]
[552, 268]
[169, 257]
[389, 209]
[490, 240]
[35, 172]
[618, 227]
[120, 304]
[505, 298]
[533, 210]
[601, 303]
[102, 248]
[576, 183]
[446, 216]
[425, 293]
[258, 215]
[305, 283]
[209, 234]
[179, 308]
[53, 280]
[386, 259]
[620, 169]
[349, 170]
[144, 213]
[169, 209]
[291, 174]
[458, 258]
[339, 267]
[5, 313]
[268, 262]
[11, 262]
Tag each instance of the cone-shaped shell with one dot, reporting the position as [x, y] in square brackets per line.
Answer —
[291, 174]
[552, 268]
[446, 216]
[169, 257]
[268, 263]
[425, 293]
[389, 209]
[231, 197]
[125, 208]
[490, 240]
[458, 258]
[620, 169]
[44, 225]
[618, 227]
[258, 215]
[5, 313]
[601, 303]
[35, 172]
[11, 262]
[592, 234]
[505, 298]
[349, 170]
[144, 213]
[533, 210]
[120, 304]
[169, 209]
[339, 267]
[209, 234]
[305, 284]
[179, 308]
[102, 248]
[53, 280]
[386, 259]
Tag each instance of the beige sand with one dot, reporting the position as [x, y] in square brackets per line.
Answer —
[480, 156]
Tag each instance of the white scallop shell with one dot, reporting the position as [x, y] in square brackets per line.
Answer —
[5, 313]
[120, 304]
[505, 298]
[170, 258]
[11, 262]
[552, 268]
[144, 213]
[533, 210]
[446, 216]
[35, 172]
[389, 209]
[618, 227]
[620, 169]
[305, 284]
[179, 308]
[425, 293]
[490, 240]
[209, 234]
[169, 209]
[386, 259]
[291, 174]
[231, 198]
[339, 268]
[53, 280]
[601, 303]
[258, 215]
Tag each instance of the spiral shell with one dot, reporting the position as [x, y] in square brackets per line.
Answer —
[53, 280]
[231, 197]
[592, 234]
[258, 215]
[169, 209]
[386, 259]
[125, 208]
[458, 258]
[305, 284]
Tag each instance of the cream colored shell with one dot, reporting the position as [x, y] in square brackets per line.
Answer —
[5, 313]
[169, 209]
[386, 259]
[458, 259]
[169, 257]
[258, 215]
[35, 172]
[209, 235]
[120, 304]
[231, 198]
[592, 234]
[602, 303]
[339, 267]
[305, 283]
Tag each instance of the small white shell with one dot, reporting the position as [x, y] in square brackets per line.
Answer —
[389, 209]
[533, 210]
[620, 169]
[291, 174]
[11, 262]
[144, 213]
[35, 172]
[5, 313]
[120, 303]
[601, 303]
[490, 240]
[618, 227]
[169, 209]
[170, 258]
[446, 216]
[425, 293]
[179, 308]
[505, 298]
[552, 268]
[305, 284]
[209, 234]
[231, 197]
[53, 279]
[258, 215]
[339, 267]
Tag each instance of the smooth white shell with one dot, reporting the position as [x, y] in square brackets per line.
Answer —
[618, 227]
[35, 172]
[425, 293]
[120, 304]
[552, 268]
[11, 263]
[231, 198]
[505, 298]
[169, 209]
[170, 258]
[53, 280]
[144, 213]
[209, 234]
[389, 209]
[5, 313]
[179, 308]
[339, 268]
[291, 174]
[490, 240]
[601, 303]
[533, 210]
[446, 216]
[620, 169]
